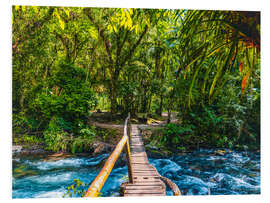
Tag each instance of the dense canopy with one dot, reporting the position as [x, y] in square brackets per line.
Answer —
[204, 65]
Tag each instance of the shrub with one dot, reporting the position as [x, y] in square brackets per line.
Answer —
[57, 139]
[172, 134]
[73, 100]
[76, 190]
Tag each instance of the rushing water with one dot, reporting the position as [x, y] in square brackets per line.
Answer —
[202, 172]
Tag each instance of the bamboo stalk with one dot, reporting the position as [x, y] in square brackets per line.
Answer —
[128, 157]
[100, 180]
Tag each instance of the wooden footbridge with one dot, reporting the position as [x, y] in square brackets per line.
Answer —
[144, 179]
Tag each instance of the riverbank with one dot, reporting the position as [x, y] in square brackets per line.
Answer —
[161, 140]
[93, 140]
[100, 136]
[182, 165]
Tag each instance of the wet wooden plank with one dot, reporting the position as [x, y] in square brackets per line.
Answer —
[142, 191]
[145, 172]
[146, 178]
[149, 175]
[136, 139]
[139, 158]
[138, 155]
[137, 195]
[146, 183]
[145, 187]
[141, 153]
[140, 161]
[141, 168]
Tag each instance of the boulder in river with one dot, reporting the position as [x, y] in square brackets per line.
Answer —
[16, 149]
[102, 147]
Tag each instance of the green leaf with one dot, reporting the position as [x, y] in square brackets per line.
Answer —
[136, 29]
[66, 11]
[110, 28]
[62, 24]
[114, 28]
[35, 9]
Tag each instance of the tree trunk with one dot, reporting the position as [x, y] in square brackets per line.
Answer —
[160, 105]
[113, 100]
[143, 100]
[21, 102]
[149, 105]
[114, 80]
[103, 103]
[169, 116]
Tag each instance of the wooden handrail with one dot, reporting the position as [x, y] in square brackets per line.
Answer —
[127, 131]
[99, 181]
[172, 186]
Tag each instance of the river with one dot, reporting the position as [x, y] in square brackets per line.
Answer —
[202, 172]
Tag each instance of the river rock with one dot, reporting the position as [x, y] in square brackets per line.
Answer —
[102, 147]
[157, 153]
[57, 156]
[16, 149]
[28, 150]
[220, 152]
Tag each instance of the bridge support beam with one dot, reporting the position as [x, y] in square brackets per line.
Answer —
[128, 158]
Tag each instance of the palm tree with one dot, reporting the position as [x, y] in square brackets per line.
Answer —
[212, 43]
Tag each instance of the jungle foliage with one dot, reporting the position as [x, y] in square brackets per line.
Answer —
[69, 62]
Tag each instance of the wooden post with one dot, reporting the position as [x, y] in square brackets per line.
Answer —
[128, 157]
[129, 127]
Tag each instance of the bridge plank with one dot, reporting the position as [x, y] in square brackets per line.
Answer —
[136, 195]
[144, 172]
[146, 184]
[146, 179]
[144, 191]
[138, 187]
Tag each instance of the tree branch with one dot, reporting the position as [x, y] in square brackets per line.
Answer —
[132, 50]
[106, 42]
[35, 26]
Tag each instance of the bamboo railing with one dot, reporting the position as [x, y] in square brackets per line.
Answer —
[100, 180]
